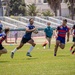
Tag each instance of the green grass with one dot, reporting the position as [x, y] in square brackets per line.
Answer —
[42, 63]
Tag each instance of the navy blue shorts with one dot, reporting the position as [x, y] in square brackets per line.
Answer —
[25, 40]
[61, 39]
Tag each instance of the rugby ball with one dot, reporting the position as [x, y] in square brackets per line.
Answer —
[35, 31]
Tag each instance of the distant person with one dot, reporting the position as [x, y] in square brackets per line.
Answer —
[61, 36]
[48, 34]
[73, 33]
[27, 38]
[2, 38]
[15, 33]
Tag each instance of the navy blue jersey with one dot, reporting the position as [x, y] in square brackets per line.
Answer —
[28, 34]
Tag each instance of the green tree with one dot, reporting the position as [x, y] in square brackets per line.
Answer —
[32, 11]
[47, 13]
[55, 5]
[17, 7]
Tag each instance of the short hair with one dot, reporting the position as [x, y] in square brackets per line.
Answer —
[6, 30]
[65, 20]
[74, 26]
[30, 19]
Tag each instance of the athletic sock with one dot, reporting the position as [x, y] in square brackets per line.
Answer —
[31, 48]
[14, 50]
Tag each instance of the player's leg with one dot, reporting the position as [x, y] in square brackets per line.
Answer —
[23, 41]
[73, 44]
[3, 51]
[31, 41]
[49, 41]
[73, 51]
[62, 46]
[12, 52]
[44, 44]
[56, 47]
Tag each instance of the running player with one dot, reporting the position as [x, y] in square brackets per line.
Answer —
[60, 41]
[73, 31]
[48, 34]
[27, 38]
[2, 38]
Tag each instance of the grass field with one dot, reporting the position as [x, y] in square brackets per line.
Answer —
[42, 63]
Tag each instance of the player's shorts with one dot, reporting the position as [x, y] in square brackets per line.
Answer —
[48, 36]
[24, 40]
[73, 39]
[1, 47]
[61, 39]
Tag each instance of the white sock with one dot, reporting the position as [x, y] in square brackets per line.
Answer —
[44, 47]
[14, 50]
[31, 48]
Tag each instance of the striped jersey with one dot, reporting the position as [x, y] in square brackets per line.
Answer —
[62, 30]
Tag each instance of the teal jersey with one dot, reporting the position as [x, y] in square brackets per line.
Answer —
[48, 31]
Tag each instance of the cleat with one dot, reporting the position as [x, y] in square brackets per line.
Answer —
[28, 54]
[73, 52]
[12, 54]
[54, 54]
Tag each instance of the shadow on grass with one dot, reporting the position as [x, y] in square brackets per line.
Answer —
[4, 61]
[31, 58]
[63, 55]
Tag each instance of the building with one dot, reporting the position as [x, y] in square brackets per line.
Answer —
[41, 5]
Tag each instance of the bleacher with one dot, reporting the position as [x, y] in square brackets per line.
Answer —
[39, 22]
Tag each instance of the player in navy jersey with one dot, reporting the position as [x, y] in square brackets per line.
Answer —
[27, 38]
[61, 35]
[2, 38]
[73, 33]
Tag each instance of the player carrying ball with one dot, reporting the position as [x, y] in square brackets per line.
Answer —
[27, 38]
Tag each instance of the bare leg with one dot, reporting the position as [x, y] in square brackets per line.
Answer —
[12, 53]
[3, 51]
[62, 46]
[73, 51]
[72, 46]
[56, 47]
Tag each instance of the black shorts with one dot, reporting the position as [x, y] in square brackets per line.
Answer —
[1, 47]
[24, 40]
[73, 39]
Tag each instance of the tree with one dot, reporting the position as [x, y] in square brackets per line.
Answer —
[32, 11]
[47, 13]
[55, 5]
[17, 7]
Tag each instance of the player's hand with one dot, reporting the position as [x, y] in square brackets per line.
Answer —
[33, 29]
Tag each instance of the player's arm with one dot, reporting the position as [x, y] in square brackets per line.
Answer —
[56, 32]
[8, 42]
[68, 34]
[30, 30]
